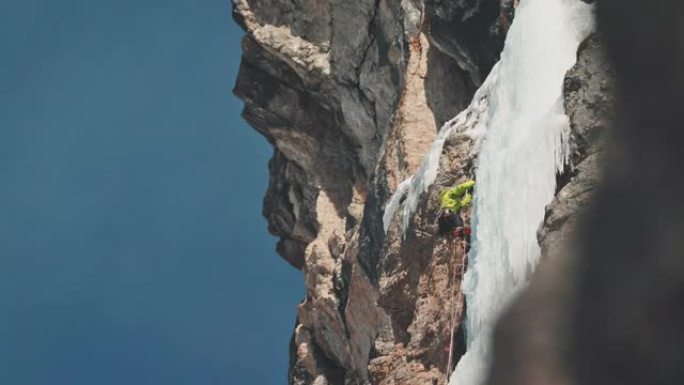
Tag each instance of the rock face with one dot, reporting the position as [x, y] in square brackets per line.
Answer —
[351, 94]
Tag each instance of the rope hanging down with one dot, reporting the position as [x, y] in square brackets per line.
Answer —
[454, 315]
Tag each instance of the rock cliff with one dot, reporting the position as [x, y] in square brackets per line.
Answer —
[351, 94]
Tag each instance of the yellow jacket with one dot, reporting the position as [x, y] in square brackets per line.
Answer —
[457, 198]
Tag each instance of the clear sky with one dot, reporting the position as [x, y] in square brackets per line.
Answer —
[132, 247]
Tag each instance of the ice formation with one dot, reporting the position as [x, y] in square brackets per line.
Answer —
[525, 146]
[518, 113]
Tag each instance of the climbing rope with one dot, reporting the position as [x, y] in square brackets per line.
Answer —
[452, 323]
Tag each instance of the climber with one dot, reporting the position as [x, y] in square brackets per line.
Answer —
[452, 201]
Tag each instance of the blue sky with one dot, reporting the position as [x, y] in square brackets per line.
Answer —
[132, 247]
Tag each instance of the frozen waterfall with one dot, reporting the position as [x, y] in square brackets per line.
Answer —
[524, 147]
[518, 114]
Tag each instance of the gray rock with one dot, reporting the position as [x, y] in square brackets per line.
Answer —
[351, 94]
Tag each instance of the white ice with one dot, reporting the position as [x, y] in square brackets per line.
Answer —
[471, 121]
[519, 123]
[524, 147]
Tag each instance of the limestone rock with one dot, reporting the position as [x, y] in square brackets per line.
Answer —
[351, 94]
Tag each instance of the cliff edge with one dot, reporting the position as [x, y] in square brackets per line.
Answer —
[352, 94]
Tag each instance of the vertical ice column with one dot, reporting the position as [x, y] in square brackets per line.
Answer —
[523, 149]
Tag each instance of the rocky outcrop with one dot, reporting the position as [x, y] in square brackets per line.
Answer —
[589, 91]
[351, 95]
[419, 287]
[470, 32]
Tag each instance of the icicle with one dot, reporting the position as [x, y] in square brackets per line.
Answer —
[394, 202]
[471, 121]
